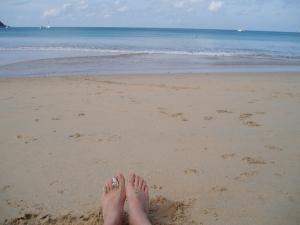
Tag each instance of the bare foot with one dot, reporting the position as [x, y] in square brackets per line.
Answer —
[138, 200]
[113, 199]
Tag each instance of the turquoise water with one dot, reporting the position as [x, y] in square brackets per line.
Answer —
[34, 51]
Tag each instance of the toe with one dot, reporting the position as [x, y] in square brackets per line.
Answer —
[137, 181]
[109, 185]
[131, 179]
[141, 184]
[145, 189]
[121, 180]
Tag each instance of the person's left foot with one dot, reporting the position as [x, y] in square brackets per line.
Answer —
[113, 199]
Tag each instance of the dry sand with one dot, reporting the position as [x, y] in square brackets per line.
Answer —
[215, 148]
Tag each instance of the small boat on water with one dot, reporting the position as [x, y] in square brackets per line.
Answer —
[45, 27]
[241, 30]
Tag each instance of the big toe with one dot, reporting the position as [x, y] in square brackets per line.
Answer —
[121, 181]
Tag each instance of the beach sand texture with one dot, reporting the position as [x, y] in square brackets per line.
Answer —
[214, 148]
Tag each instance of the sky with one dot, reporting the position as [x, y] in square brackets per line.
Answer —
[277, 15]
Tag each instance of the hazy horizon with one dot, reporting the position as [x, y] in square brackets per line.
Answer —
[183, 28]
[266, 15]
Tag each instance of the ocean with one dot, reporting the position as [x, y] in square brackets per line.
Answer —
[59, 51]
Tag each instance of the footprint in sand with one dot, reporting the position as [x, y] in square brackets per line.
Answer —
[176, 114]
[218, 189]
[5, 188]
[223, 111]
[245, 175]
[17, 204]
[80, 114]
[191, 171]
[61, 192]
[288, 196]
[208, 117]
[244, 118]
[133, 100]
[179, 115]
[27, 139]
[228, 155]
[37, 120]
[156, 187]
[251, 124]
[210, 212]
[273, 147]
[250, 160]
[76, 135]
[53, 182]
[164, 211]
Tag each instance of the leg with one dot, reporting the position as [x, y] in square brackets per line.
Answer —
[113, 199]
[138, 200]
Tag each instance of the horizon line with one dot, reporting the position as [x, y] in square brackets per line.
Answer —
[150, 27]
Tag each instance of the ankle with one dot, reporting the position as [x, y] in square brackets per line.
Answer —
[112, 221]
[113, 218]
[138, 217]
[141, 220]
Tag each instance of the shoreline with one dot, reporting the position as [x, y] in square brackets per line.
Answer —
[153, 74]
[40, 64]
[215, 148]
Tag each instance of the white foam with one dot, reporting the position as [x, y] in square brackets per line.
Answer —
[120, 51]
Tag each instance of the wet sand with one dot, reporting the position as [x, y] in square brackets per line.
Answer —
[214, 148]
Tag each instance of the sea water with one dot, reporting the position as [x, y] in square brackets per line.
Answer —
[58, 51]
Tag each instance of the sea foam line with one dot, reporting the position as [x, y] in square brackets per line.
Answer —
[121, 51]
[116, 52]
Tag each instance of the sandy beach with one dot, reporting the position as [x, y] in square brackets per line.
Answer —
[214, 148]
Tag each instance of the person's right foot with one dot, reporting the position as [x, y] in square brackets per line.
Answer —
[113, 199]
[138, 200]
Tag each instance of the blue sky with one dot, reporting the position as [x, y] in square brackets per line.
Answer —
[281, 15]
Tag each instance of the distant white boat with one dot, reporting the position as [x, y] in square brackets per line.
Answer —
[45, 27]
[240, 30]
